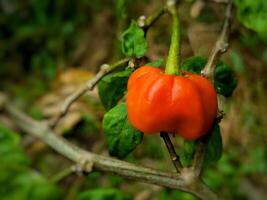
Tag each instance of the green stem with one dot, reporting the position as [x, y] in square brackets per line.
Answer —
[63, 174]
[173, 59]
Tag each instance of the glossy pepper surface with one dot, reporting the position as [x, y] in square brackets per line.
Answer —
[184, 105]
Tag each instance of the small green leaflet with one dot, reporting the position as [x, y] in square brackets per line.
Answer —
[134, 43]
[225, 80]
[122, 138]
[102, 194]
[112, 88]
[156, 63]
[214, 146]
[194, 64]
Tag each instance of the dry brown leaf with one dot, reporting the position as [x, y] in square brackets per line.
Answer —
[66, 83]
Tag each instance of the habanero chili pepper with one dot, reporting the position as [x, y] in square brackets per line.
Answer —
[158, 101]
[184, 105]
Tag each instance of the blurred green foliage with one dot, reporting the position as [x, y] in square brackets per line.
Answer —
[17, 180]
[253, 14]
[10, 151]
[38, 35]
[103, 194]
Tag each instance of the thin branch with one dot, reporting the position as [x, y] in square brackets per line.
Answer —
[82, 167]
[221, 44]
[146, 23]
[63, 174]
[220, 47]
[107, 164]
[174, 157]
[104, 69]
[199, 157]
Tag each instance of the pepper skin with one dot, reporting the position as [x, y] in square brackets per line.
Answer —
[184, 105]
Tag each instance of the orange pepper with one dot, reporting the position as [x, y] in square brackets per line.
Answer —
[183, 105]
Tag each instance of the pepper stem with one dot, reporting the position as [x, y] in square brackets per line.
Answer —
[173, 59]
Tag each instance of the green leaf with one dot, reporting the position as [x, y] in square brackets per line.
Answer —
[225, 80]
[194, 64]
[112, 88]
[214, 146]
[253, 14]
[134, 43]
[156, 63]
[44, 65]
[102, 194]
[121, 136]
[187, 153]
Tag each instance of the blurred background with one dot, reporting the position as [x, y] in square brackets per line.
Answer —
[50, 48]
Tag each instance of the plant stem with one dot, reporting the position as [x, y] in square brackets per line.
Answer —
[63, 174]
[173, 59]
[199, 156]
[153, 18]
[221, 44]
[171, 150]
